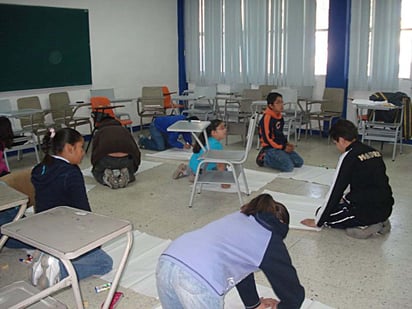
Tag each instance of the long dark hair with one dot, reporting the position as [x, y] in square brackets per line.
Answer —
[212, 127]
[54, 142]
[6, 133]
[266, 203]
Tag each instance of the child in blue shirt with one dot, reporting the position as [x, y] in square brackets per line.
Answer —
[216, 132]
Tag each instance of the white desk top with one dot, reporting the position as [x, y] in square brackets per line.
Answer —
[196, 126]
[66, 232]
[376, 105]
[10, 197]
[22, 112]
[187, 97]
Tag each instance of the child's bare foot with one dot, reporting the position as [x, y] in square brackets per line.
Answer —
[225, 186]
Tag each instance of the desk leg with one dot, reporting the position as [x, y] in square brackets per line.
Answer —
[74, 282]
[198, 141]
[42, 294]
[119, 271]
[20, 214]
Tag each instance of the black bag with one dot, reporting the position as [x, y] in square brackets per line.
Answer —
[395, 98]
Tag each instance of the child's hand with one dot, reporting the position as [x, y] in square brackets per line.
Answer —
[309, 222]
[225, 186]
[289, 148]
[187, 146]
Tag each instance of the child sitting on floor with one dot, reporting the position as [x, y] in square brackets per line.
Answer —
[6, 140]
[216, 132]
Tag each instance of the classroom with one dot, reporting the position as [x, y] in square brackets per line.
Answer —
[135, 44]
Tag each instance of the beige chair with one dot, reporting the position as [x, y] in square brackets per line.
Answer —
[238, 111]
[35, 123]
[234, 159]
[265, 90]
[23, 140]
[331, 107]
[204, 103]
[151, 103]
[63, 114]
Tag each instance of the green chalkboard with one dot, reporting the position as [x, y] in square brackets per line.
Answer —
[43, 47]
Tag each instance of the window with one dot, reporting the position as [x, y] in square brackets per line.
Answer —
[405, 55]
[321, 36]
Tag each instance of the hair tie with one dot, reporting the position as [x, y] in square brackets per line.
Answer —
[52, 132]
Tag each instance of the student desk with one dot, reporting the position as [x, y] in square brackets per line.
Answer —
[68, 233]
[194, 126]
[373, 130]
[10, 198]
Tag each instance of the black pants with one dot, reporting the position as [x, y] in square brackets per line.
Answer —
[114, 163]
[343, 216]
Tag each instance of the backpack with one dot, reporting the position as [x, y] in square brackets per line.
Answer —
[395, 98]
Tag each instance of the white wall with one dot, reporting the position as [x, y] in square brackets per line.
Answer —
[133, 44]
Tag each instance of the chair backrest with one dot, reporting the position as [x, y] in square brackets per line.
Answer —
[101, 102]
[152, 95]
[334, 97]
[5, 105]
[248, 96]
[59, 105]
[265, 90]
[209, 92]
[108, 93]
[250, 132]
[290, 99]
[167, 102]
[34, 103]
[238, 88]
[305, 92]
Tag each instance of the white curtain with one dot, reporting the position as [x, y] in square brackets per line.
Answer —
[381, 44]
[300, 42]
[250, 41]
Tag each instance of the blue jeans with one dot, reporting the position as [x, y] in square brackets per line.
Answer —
[96, 262]
[178, 289]
[282, 160]
[157, 142]
[7, 216]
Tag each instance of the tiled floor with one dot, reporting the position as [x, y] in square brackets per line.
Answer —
[334, 269]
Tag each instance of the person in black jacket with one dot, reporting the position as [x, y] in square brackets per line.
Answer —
[360, 197]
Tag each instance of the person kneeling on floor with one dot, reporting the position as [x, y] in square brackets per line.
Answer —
[364, 210]
[115, 155]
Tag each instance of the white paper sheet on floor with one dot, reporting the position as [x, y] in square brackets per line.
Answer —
[232, 299]
[299, 207]
[173, 154]
[316, 174]
[144, 166]
[255, 180]
[139, 272]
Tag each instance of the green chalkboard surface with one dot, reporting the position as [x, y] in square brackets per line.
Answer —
[43, 47]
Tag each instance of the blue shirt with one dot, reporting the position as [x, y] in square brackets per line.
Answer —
[214, 144]
[162, 123]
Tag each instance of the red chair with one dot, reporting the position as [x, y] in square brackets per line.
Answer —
[168, 102]
[101, 109]
[103, 105]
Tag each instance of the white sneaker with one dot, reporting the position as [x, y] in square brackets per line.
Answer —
[35, 269]
[44, 270]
